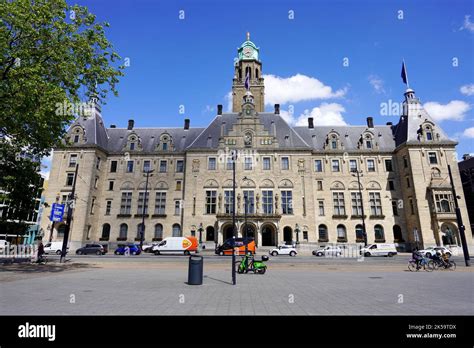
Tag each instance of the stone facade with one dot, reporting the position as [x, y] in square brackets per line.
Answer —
[298, 183]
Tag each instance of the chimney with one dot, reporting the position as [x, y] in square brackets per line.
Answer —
[131, 123]
[277, 109]
[310, 123]
[222, 129]
[219, 109]
[370, 122]
[466, 156]
[113, 126]
[186, 123]
[389, 124]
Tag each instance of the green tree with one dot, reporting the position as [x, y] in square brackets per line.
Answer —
[51, 53]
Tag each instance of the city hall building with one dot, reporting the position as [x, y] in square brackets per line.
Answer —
[292, 183]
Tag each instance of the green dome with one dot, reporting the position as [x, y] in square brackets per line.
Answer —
[248, 50]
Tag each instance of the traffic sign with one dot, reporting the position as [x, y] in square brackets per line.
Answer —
[57, 212]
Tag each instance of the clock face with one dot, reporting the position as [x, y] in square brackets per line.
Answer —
[248, 111]
[248, 52]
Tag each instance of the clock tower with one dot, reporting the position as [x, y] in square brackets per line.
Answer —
[248, 64]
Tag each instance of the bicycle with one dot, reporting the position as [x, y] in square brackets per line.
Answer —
[42, 260]
[248, 263]
[427, 265]
[448, 264]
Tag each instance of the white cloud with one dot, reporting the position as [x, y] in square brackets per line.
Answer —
[467, 89]
[228, 101]
[467, 24]
[377, 84]
[281, 90]
[468, 133]
[327, 114]
[455, 110]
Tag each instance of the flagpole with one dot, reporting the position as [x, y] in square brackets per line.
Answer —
[406, 73]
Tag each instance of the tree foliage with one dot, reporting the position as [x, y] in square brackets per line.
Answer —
[50, 53]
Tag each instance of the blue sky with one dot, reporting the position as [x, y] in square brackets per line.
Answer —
[189, 61]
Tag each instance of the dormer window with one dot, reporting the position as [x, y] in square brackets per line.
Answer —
[332, 141]
[165, 146]
[132, 146]
[427, 132]
[76, 138]
[368, 144]
[334, 144]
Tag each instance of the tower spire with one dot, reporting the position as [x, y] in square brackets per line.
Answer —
[248, 36]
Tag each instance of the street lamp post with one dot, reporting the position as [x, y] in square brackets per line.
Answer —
[364, 232]
[297, 230]
[200, 229]
[245, 220]
[234, 158]
[145, 204]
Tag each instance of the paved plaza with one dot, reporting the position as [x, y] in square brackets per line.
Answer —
[292, 286]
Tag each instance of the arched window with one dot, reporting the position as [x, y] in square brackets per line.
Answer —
[428, 133]
[210, 234]
[248, 70]
[123, 231]
[176, 230]
[139, 230]
[105, 231]
[341, 233]
[379, 235]
[359, 230]
[323, 233]
[158, 232]
[397, 234]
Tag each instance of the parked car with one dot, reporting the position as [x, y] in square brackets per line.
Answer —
[176, 245]
[329, 250]
[96, 249]
[428, 252]
[134, 249]
[379, 250]
[148, 248]
[54, 248]
[226, 248]
[283, 250]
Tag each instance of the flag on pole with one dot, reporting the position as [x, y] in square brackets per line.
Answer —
[247, 81]
[404, 74]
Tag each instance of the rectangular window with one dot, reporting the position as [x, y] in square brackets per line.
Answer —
[395, 208]
[160, 203]
[108, 207]
[179, 166]
[321, 208]
[132, 146]
[391, 185]
[266, 163]
[334, 144]
[412, 207]
[111, 185]
[319, 185]
[211, 202]
[141, 196]
[352, 165]
[444, 203]
[76, 138]
[96, 181]
[70, 179]
[92, 205]
[370, 165]
[388, 165]
[249, 202]
[228, 163]
[146, 166]
[432, 158]
[228, 201]
[178, 185]
[356, 203]
[248, 163]
[429, 136]
[375, 203]
[97, 163]
[267, 201]
[368, 144]
[211, 163]
[408, 182]
[318, 166]
[126, 203]
[177, 207]
[163, 166]
[165, 146]
[285, 163]
[339, 205]
[335, 165]
[129, 166]
[287, 202]
[113, 166]
[72, 160]
[405, 161]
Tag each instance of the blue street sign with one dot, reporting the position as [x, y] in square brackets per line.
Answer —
[57, 212]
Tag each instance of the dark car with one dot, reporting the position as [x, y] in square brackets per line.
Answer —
[134, 249]
[96, 249]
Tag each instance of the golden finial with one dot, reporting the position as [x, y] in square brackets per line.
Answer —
[248, 36]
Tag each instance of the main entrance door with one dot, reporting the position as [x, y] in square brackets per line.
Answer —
[227, 231]
[268, 235]
[287, 235]
[248, 230]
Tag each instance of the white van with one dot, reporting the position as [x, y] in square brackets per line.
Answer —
[176, 245]
[379, 250]
[53, 248]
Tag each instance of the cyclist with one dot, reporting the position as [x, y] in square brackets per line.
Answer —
[445, 259]
[416, 255]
